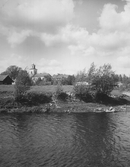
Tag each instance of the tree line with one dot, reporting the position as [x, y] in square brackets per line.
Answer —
[99, 82]
[103, 73]
[13, 71]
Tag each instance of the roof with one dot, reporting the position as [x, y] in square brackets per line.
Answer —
[41, 75]
[2, 77]
[60, 76]
[82, 83]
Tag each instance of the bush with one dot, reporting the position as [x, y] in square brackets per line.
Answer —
[59, 89]
[83, 92]
[38, 98]
[60, 95]
[102, 80]
[102, 98]
[8, 103]
[23, 83]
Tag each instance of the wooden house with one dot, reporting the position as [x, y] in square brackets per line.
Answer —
[5, 80]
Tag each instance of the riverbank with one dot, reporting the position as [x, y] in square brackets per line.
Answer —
[41, 102]
[8, 105]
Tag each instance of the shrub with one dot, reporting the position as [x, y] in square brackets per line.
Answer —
[83, 92]
[102, 79]
[38, 98]
[59, 89]
[7, 102]
[60, 95]
[23, 83]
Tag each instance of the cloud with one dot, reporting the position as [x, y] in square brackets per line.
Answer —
[17, 38]
[50, 66]
[54, 63]
[124, 61]
[22, 18]
[111, 41]
[111, 20]
[16, 59]
[50, 39]
[46, 15]
[69, 34]
[113, 33]
[50, 21]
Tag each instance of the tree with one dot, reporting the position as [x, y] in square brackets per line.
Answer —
[81, 76]
[103, 80]
[4, 73]
[70, 80]
[91, 72]
[12, 71]
[23, 83]
[38, 81]
[48, 78]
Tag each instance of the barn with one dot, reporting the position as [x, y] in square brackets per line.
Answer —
[5, 80]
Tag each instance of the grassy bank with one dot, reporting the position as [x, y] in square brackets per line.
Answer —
[46, 88]
[39, 100]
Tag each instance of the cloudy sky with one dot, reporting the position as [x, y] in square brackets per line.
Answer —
[65, 36]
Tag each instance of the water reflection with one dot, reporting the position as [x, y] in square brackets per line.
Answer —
[65, 140]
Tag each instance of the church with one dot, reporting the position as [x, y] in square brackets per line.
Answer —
[32, 71]
[34, 75]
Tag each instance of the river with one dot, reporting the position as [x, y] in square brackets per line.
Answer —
[65, 140]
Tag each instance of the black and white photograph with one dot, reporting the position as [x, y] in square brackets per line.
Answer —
[64, 83]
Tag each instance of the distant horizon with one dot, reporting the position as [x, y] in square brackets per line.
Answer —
[65, 36]
[27, 69]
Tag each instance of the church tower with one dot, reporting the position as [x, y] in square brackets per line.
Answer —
[32, 70]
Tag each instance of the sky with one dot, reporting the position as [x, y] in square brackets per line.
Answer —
[65, 36]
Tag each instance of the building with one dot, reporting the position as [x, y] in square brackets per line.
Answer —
[5, 80]
[32, 71]
[84, 83]
[41, 76]
[59, 77]
[119, 84]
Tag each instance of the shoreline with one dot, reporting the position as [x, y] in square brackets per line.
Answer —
[40, 102]
[65, 107]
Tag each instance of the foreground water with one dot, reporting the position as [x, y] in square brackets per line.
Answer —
[65, 140]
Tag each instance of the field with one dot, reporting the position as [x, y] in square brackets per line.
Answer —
[50, 88]
[7, 90]
[7, 103]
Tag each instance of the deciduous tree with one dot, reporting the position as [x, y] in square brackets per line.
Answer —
[23, 83]
[12, 71]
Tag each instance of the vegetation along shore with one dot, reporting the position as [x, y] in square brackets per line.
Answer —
[97, 90]
[39, 99]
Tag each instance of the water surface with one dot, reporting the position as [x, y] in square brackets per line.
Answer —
[65, 140]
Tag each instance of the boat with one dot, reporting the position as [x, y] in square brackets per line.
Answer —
[103, 110]
[99, 110]
[110, 109]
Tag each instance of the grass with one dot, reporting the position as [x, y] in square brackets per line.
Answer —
[46, 88]
[7, 103]
[6, 88]
[116, 93]
[50, 88]
[9, 89]
[6, 91]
